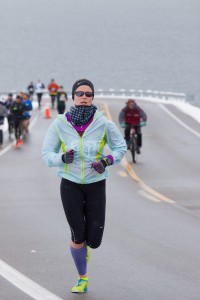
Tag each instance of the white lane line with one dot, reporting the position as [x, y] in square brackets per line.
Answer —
[6, 149]
[25, 284]
[179, 121]
[34, 121]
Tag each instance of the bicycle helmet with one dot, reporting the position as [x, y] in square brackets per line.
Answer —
[131, 101]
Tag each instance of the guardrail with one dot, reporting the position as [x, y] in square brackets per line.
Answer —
[142, 94]
[128, 93]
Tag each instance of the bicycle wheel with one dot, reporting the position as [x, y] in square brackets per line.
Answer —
[133, 147]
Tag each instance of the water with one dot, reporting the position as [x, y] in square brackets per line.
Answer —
[130, 44]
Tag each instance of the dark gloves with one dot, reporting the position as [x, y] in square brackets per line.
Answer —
[68, 157]
[101, 165]
[142, 123]
[122, 125]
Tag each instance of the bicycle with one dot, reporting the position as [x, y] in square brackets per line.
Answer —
[133, 146]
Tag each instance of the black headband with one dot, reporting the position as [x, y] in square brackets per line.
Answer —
[82, 82]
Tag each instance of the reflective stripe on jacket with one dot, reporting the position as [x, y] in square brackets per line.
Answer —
[89, 148]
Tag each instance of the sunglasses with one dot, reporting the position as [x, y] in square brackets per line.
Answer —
[87, 94]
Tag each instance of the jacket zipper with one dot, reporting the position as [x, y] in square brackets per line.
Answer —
[82, 160]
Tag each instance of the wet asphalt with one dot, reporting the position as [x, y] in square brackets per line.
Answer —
[150, 248]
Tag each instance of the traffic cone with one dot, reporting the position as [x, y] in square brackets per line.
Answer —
[47, 113]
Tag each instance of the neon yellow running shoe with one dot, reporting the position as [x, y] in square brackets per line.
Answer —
[81, 286]
[88, 254]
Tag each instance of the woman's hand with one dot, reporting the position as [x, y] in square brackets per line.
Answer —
[68, 157]
[101, 165]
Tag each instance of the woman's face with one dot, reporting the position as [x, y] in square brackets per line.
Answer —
[80, 99]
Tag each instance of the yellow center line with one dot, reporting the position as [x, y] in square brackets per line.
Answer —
[123, 173]
[132, 173]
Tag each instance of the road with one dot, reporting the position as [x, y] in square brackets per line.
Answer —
[151, 244]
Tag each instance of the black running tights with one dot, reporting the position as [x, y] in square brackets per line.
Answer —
[84, 206]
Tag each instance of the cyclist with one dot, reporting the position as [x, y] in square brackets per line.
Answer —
[82, 133]
[53, 87]
[132, 115]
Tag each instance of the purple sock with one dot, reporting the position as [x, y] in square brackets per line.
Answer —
[79, 257]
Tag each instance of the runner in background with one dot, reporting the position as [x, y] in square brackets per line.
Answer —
[31, 90]
[3, 114]
[26, 115]
[53, 87]
[17, 110]
[9, 103]
[39, 89]
[61, 100]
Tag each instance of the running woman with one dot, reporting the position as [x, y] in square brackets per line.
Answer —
[82, 134]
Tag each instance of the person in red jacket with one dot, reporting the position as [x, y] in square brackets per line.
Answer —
[132, 115]
[53, 87]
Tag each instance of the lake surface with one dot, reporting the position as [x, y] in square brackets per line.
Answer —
[130, 44]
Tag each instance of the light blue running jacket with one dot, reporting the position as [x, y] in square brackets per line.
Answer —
[61, 137]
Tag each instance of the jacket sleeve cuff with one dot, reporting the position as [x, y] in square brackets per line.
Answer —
[111, 158]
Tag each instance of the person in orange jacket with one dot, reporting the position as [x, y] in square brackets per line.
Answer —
[53, 87]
